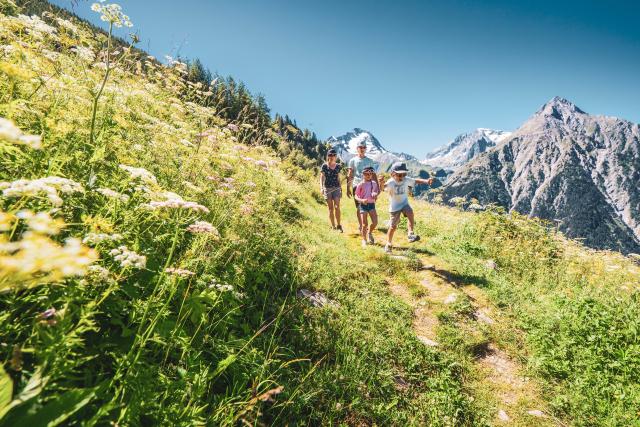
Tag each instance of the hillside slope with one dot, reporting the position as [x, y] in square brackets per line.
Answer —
[149, 270]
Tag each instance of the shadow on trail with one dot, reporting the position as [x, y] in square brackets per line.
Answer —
[460, 280]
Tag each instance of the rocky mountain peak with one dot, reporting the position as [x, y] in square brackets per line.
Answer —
[564, 164]
[560, 109]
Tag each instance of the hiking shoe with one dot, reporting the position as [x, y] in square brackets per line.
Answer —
[387, 248]
[413, 237]
[364, 243]
[339, 228]
[371, 239]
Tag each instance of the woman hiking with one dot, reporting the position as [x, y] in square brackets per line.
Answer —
[330, 187]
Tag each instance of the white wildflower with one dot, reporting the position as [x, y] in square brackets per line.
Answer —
[128, 258]
[112, 194]
[112, 13]
[41, 222]
[7, 49]
[36, 259]
[232, 127]
[99, 273]
[140, 173]
[224, 288]
[96, 238]
[11, 133]
[192, 187]
[67, 25]
[84, 53]
[50, 55]
[261, 163]
[50, 186]
[179, 272]
[36, 26]
[204, 228]
[175, 204]
[6, 221]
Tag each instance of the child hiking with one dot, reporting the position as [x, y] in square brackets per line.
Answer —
[366, 194]
[330, 187]
[398, 188]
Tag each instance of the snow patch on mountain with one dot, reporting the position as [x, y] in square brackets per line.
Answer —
[346, 146]
[566, 165]
[464, 148]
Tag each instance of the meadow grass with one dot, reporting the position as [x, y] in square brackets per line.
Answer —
[575, 311]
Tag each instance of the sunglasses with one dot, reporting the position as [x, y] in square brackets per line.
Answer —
[332, 155]
[363, 148]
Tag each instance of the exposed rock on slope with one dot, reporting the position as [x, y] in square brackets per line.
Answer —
[464, 148]
[564, 164]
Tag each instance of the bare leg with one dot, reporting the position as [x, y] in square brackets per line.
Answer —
[358, 212]
[336, 208]
[374, 221]
[390, 233]
[410, 219]
[364, 226]
[330, 205]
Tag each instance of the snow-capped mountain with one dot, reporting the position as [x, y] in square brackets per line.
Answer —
[566, 165]
[464, 148]
[346, 146]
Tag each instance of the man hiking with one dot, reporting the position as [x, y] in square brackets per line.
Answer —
[355, 168]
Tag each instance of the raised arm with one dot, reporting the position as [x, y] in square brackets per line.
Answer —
[428, 181]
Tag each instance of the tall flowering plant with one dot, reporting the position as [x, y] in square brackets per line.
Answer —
[111, 13]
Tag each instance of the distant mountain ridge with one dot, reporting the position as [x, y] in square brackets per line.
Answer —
[346, 146]
[464, 148]
[566, 165]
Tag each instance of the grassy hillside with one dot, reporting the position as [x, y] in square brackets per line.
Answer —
[150, 272]
[150, 276]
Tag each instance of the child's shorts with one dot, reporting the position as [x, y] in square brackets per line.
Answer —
[367, 208]
[395, 216]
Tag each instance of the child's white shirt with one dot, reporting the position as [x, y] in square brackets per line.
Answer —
[399, 193]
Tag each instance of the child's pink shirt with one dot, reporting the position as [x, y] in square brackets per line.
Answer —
[365, 190]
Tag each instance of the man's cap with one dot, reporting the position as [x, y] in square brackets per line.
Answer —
[332, 152]
[399, 167]
[362, 143]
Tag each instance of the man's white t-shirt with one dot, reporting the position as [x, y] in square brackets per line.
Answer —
[399, 193]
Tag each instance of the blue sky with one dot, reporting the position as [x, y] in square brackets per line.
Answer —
[414, 73]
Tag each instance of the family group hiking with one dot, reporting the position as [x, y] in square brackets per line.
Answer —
[365, 187]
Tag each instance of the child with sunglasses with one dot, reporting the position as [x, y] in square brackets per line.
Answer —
[366, 195]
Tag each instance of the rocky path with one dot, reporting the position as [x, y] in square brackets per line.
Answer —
[498, 380]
